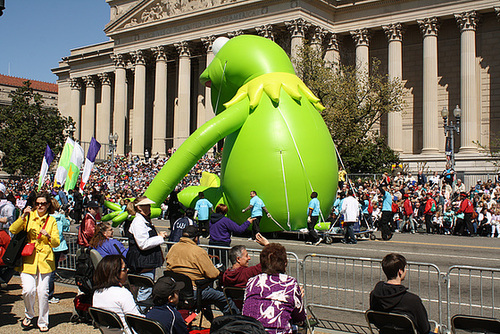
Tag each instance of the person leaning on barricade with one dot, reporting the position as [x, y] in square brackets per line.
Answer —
[393, 297]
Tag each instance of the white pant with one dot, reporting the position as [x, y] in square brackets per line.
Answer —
[497, 228]
[31, 285]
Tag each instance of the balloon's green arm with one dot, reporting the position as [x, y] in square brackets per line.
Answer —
[193, 149]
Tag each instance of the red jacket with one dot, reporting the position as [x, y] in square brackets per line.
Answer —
[408, 207]
[239, 277]
[428, 206]
[466, 206]
[86, 230]
[4, 242]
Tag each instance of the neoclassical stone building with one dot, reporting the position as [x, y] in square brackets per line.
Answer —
[143, 83]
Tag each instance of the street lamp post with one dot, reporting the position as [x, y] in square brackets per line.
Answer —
[113, 139]
[449, 128]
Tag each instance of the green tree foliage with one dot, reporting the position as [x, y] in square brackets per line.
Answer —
[353, 107]
[26, 127]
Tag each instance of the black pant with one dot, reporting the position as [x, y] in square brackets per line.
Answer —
[349, 237]
[428, 223]
[385, 224]
[468, 222]
[203, 226]
[313, 235]
[256, 226]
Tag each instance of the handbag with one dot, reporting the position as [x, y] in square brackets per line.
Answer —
[30, 246]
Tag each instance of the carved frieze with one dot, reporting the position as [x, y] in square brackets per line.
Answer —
[162, 9]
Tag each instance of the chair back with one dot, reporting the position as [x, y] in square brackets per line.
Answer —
[108, 322]
[236, 294]
[474, 324]
[186, 295]
[390, 323]
[136, 282]
[142, 325]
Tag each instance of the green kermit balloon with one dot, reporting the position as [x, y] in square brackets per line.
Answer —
[276, 141]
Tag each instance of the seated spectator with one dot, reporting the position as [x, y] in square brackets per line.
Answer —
[240, 272]
[392, 296]
[274, 298]
[103, 242]
[109, 292]
[186, 257]
[165, 299]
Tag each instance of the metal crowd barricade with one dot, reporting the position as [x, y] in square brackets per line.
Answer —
[473, 291]
[343, 283]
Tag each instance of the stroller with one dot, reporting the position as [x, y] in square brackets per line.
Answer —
[86, 262]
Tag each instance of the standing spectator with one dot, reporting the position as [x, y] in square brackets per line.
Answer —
[273, 297]
[6, 273]
[387, 214]
[110, 294]
[495, 223]
[392, 296]
[87, 228]
[429, 211]
[257, 206]
[180, 224]
[144, 253]
[421, 178]
[202, 212]
[313, 211]
[36, 268]
[449, 175]
[350, 210]
[78, 206]
[467, 209]
[63, 225]
[7, 210]
[408, 221]
[174, 208]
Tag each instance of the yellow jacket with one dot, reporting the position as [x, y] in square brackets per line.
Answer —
[42, 258]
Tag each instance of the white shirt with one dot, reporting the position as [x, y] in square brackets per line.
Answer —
[350, 209]
[140, 231]
[116, 299]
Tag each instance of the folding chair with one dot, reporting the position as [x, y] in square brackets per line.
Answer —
[108, 322]
[236, 294]
[474, 324]
[390, 323]
[142, 325]
[137, 282]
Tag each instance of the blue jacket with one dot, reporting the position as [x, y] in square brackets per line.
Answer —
[169, 317]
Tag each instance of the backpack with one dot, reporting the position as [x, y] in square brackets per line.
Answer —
[236, 324]
[394, 207]
[84, 271]
[433, 207]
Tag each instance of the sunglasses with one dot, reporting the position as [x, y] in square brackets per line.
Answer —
[41, 203]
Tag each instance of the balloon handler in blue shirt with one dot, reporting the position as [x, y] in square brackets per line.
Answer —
[257, 206]
[202, 212]
[312, 219]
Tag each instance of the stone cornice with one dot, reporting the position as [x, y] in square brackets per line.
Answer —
[394, 32]
[467, 20]
[429, 26]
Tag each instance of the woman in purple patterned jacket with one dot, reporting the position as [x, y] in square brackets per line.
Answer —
[274, 298]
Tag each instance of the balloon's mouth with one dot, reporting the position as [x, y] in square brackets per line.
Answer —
[208, 84]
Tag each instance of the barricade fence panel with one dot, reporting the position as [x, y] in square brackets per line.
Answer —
[344, 283]
[473, 291]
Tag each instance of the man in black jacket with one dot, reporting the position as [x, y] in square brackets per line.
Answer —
[393, 297]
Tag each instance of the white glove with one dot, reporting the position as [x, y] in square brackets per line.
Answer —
[243, 210]
[308, 219]
[269, 215]
[195, 215]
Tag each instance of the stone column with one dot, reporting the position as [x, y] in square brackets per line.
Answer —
[471, 120]
[209, 112]
[88, 116]
[104, 112]
[160, 102]
[394, 34]
[76, 86]
[297, 29]
[429, 28]
[266, 31]
[182, 113]
[317, 38]
[120, 103]
[139, 120]
[332, 54]
[362, 40]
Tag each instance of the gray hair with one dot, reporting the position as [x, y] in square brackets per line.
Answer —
[235, 252]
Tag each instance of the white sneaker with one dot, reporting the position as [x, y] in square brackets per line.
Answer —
[54, 300]
[318, 242]
[309, 243]
[250, 239]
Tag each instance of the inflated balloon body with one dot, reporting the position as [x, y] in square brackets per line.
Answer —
[276, 140]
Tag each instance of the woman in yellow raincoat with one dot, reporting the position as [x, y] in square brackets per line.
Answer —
[37, 267]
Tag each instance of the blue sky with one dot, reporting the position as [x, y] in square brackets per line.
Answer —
[36, 34]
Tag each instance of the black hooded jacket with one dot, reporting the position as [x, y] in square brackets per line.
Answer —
[394, 298]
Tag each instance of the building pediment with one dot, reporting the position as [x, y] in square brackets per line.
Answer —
[149, 11]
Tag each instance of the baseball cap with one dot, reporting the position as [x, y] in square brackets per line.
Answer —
[191, 231]
[165, 286]
[2, 188]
